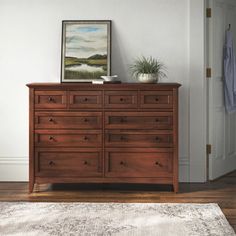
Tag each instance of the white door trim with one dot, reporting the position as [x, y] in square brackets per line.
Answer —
[197, 93]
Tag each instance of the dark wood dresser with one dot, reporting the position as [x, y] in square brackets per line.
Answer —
[106, 133]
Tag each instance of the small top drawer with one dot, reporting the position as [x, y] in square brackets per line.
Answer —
[50, 99]
[85, 99]
[156, 99]
[120, 99]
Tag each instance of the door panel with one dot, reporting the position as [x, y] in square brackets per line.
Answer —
[221, 126]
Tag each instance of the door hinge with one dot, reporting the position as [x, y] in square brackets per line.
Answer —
[208, 149]
[208, 13]
[208, 73]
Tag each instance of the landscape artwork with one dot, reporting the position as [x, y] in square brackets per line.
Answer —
[85, 50]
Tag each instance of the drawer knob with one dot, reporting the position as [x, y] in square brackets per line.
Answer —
[51, 138]
[157, 99]
[122, 120]
[122, 138]
[158, 164]
[51, 163]
[85, 163]
[85, 138]
[157, 120]
[50, 120]
[85, 99]
[121, 99]
[86, 120]
[122, 163]
[50, 99]
[157, 139]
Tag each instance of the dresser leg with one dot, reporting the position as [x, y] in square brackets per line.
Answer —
[176, 188]
[31, 187]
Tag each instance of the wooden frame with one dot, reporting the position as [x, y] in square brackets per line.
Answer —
[86, 50]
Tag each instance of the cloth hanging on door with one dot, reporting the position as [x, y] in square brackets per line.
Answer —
[229, 73]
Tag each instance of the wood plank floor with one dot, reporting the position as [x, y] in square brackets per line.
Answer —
[221, 191]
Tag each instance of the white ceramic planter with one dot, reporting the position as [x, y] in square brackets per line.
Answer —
[147, 78]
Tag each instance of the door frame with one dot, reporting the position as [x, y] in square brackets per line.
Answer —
[197, 91]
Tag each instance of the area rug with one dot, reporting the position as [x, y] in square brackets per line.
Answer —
[133, 219]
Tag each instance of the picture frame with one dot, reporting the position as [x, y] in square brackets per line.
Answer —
[86, 50]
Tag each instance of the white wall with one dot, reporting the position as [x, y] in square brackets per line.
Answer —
[30, 45]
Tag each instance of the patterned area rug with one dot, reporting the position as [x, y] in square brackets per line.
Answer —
[132, 219]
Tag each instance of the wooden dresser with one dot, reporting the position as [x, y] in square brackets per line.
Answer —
[106, 133]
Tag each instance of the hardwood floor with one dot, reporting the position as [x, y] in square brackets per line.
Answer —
[221, 191]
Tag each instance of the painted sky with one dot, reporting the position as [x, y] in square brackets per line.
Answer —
[85, 40]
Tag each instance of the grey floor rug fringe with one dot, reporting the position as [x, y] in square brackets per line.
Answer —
[131, 219]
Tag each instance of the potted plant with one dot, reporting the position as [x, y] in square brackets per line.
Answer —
[147, 69]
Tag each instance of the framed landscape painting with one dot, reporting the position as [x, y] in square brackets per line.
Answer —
[86, 50]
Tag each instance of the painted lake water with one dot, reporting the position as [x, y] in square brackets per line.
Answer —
[85, 67]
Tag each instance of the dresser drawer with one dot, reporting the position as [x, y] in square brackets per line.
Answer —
[119, 138]
[156, 99]
[68, 138]
[68, 120]
[138, 120]
[121, 99]
[85, 99]
[68, 162]
[138, 163]
[50, 99]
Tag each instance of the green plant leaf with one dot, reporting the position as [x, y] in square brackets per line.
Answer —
[147, 65]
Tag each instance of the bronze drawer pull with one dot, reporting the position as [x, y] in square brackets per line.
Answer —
[122, 163]
[51, 138]
[51, 163]
[156, 99]
[86, 120]
[121, 99]
[85, 138]
[158, 164]
[50, 99]
[85, 163]
[85, 99]
[50, 120]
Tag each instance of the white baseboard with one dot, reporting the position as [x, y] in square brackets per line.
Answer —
[16, 169]
[184, 173]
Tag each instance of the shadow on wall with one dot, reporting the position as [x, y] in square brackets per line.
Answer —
[119, 59]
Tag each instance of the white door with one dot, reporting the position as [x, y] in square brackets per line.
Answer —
[221, 126]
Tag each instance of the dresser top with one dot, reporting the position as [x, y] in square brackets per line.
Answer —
[101, 86]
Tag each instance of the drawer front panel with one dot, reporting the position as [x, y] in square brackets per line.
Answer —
[85, 99]
[156, 99]
[144, 163]
[138, 139]
[50, 100]
[121, 99]
[58, 163]
[138, 120]
[68, 138]
[68, 120]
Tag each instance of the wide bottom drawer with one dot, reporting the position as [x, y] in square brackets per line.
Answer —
[58, 162]
[133, 162]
